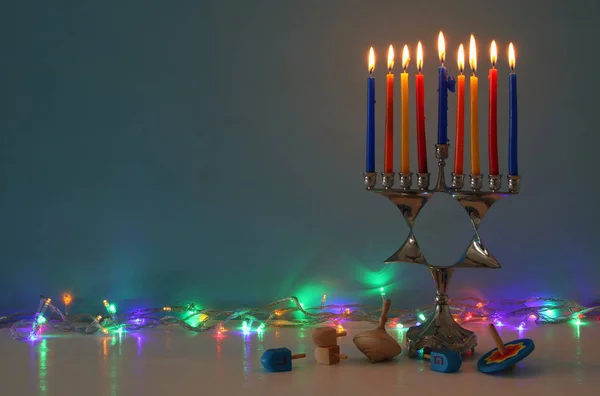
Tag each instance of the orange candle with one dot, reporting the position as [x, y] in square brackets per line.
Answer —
[388, 153]
[405, 132]
[474, 85]
[460, 114]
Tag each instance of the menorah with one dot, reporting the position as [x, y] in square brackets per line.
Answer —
[440, 330]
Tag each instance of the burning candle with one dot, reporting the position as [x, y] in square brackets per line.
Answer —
[388, 154]
[460, 114]
[445, 84]
[493, 112]
[474, 87]
[405, 132]
[442, 93]
[370, 165]
[420, 95]
[513, 167]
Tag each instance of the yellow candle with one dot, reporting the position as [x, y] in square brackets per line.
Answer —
[405, 132]
[474, 85]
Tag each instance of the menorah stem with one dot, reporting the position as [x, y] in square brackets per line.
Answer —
[441, 153]
[440, 330]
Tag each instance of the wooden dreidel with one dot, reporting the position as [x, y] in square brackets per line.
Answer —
[279, 359]
[377, 345]
[444, 360]
[329, 355]
[326, 336]
[505, 355]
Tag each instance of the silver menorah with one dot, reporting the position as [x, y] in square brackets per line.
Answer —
[440, 330]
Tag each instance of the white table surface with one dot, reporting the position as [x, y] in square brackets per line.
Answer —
[170, 361]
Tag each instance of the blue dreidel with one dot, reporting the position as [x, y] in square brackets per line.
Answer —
[445, 361]
[279, 359]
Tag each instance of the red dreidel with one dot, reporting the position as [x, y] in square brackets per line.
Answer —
[279, 359]
[504, 356]
[329, 355]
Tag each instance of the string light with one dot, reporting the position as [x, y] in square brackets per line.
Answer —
[288, 312]
[323, 299]
[111, 309]
[39, 318]
[67, 299]
[382, 292]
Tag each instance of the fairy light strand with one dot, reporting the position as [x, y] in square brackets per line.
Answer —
[285, 313]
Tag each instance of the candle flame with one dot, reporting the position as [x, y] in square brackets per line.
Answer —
[405, 57]
[390, 58]
[473, 54]
[441, 47]
[493, 53]
[419, 57]
[461, 58]
[511, 56]
[371, 60]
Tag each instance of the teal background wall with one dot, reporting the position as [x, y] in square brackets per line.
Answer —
[163, 151]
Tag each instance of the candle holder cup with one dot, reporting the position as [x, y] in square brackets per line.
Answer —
[514, 183]
[495, 182]
[370, 180]
[405, 181]
[423, 181]
[458, 181]
[387, 180]
[440, 330]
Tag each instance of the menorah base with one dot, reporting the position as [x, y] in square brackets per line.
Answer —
[440, 331]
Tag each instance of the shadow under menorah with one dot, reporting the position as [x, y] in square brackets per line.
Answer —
[440, 330]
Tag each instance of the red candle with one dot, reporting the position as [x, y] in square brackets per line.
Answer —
[493, 113]
[420, 91]
[388, 153]
[460, 114]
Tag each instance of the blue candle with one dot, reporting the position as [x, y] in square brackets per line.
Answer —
[445, 83]
[370, 165]
[513, 166]
[442, 105]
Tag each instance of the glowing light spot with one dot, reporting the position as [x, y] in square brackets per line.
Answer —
[422, 317]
